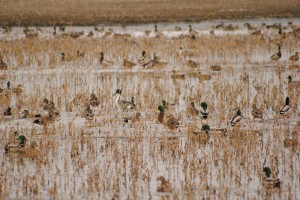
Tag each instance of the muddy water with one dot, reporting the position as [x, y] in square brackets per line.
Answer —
[104, 159]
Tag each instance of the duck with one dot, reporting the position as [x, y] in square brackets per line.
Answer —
[286, 107]
[165, 185]
[134, 119]
[238, 117]
[94, 100]
[104, 62]
[46, 104]
[22, 142]
[170, 121]
[203, 134]
[8, 112]
[295, 57]
[46, 119]
[276, 56]
[269, 182]
[192, 64]
[3, 65]
[25, 114]
[192, 110]
[88, 112]
[123, 104]
[203, 110]
[175, 75]
[192, 32]
[257, 113]
[18, 90]
[79, 55]
[133, 103]
[128, 64]
[291, 82]
[156, 32]
[144, 59]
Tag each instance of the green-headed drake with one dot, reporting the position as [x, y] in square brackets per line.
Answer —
[238, 117]
[203, 110]
[20, 145]
[268, 181]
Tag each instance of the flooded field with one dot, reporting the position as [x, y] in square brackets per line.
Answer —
[96, 155]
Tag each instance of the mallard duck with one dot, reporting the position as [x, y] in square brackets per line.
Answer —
[192, 64]
[128, 64]
[295, 57]
[270, 182]
[94, 100]
[18, 90]
[165, 186]
[192, 110]
[46, 104]
[123, 104]
[293, 83]
[104, 62]
[3, 65]
[203, 134]
[277, 55]
[25, 114]
[8, 112]
[203, 110]
[257, 113]
[286, 107]
[53, 114]
[170, 121]
[21, 144]
[88, 113]
[79, 55]
[238, 117]
[133, 104]
[135, 119]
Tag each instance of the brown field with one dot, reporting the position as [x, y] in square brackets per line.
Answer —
[91, 12]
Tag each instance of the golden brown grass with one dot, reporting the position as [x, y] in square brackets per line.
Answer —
[91, 12]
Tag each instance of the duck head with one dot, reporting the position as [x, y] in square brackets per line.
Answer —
[267, 170]
[205, 128]
[161, 109]
[239, 113]
[204, 105]
[287, 101]
[22, 140]
[118, 91]
[290, 78]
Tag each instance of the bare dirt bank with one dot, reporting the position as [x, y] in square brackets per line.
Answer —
[91, 12]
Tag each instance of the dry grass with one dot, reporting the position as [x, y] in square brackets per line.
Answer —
[93, 12]
[104, 160]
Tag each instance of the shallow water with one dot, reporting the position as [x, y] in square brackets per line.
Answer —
[103, 159]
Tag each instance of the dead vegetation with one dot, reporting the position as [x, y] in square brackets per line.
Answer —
[81, 157]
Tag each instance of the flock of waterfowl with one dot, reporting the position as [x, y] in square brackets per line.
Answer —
[49, 113]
